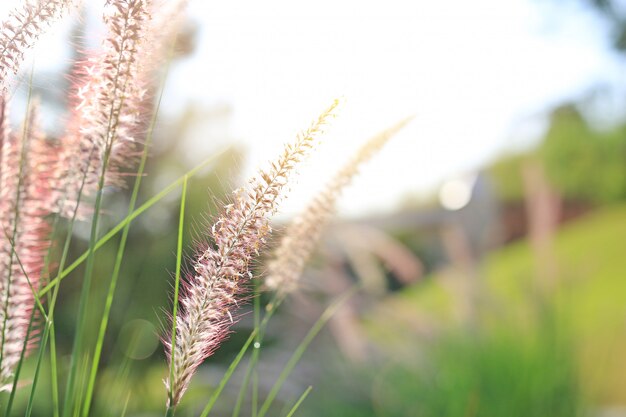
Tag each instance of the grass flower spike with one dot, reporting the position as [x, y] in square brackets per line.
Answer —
[25, 165]
[103, 130]
[212, 293]
[21, 29]
[303, 234]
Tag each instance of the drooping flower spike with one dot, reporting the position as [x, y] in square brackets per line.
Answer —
[213, 293]
[303, 234]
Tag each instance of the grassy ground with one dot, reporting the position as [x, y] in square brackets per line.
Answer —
[589, 297]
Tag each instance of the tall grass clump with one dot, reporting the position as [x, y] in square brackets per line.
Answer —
[48, 184]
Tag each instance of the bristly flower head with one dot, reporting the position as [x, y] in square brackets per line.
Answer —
[25, 167]
[221, 273]
[102, 131]
[22, 28]
[303, 234]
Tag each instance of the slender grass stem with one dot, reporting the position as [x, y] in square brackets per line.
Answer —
[49, 331]
[79, 338]
[227, 375]
[47, 328]
[179, 253]
[273, 304]
[299, 402]
[297, 354]
[255, 352]
[54, 383]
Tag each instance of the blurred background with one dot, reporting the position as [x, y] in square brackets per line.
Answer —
[487, 237]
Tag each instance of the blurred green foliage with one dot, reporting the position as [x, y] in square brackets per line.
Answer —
[528, 353]
[488, 372]
[581, 163]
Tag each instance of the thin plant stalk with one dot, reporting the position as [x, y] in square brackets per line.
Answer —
[49, 331]
[261, 327]
[78, 338]
[297, 354]
[48, 322]
[255, 352]
[179, 256]
[227, 375]
[299, 402]
[56, 403]
[233, 365]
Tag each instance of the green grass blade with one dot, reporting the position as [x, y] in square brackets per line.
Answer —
[77, 346]
[179, 256]
[297, 354]
[125, 405]
[56, 404]
[136, 213]
[227, 375]
[300, 400]
[274, 303]
[255, 352]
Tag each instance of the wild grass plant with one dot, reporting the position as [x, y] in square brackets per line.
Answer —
[48, 186]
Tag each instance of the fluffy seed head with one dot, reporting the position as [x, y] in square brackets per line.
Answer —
[303, 234]
[25, 166]
[214, 291]
[22, 28]
[103, 128]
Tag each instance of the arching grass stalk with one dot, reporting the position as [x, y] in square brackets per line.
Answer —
[297, 354]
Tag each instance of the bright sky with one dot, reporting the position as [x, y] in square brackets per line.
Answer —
[476, 74]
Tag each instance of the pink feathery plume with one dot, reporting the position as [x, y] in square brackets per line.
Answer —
[22, 28]
[218, 285]
[26, 164]
[304, 233]
[103, 130]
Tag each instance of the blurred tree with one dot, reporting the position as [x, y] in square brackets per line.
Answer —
[581, 163]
